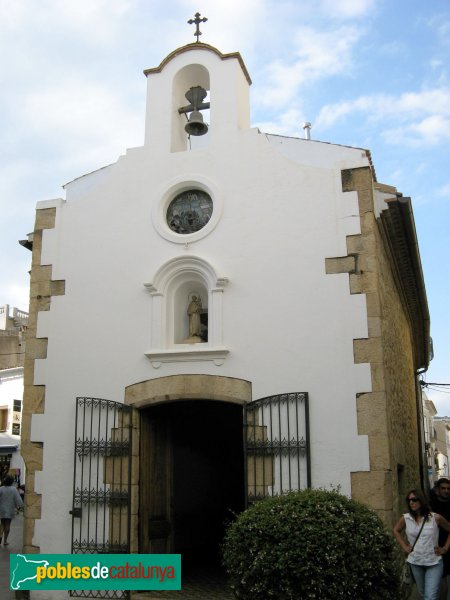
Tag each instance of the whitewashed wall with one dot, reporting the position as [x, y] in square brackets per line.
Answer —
[287, 325]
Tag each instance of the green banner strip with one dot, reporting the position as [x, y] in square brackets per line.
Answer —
[95, 571]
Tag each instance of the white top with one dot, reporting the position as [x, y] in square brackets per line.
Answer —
[423, 553]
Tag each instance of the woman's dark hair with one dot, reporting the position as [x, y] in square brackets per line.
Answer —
[8, 480]
[424, 509]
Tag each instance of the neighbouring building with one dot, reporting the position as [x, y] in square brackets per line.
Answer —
[215, 318]
[13, 324]
[429, 414]
[442, 453]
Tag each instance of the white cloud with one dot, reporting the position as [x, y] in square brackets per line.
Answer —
[315, 55]
[429, 131]
[412, 118]
[393, 49]
[288, 123]
[406, 106]
[331, 113]
[231, 25]
[440, 24]
[12, 175]
[441, 400]
[85, 119]
[437, 100]
[12, 13]
[444, 191]
[436, 63]
[444, 30]
[96, 19]
[81, 13]
[422, 167]
[346, 9]
[326, 52]
[17, 295]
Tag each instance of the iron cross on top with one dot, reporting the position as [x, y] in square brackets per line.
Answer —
[197, 22]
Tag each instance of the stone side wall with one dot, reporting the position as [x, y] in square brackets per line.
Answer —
[388, 414]
[42, 288]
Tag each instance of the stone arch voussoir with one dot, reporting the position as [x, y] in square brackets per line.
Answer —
[188, 387]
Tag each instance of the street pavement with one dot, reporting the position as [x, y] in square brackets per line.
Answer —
[14, 547]
[208, 588]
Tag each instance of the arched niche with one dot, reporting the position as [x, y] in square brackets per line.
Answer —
[187, 77]
[170, 291]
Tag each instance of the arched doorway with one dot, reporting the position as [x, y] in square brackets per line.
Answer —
[191, 476]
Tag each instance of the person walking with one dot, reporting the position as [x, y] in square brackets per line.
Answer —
[10, 502]
[440, 503]
[422, 532]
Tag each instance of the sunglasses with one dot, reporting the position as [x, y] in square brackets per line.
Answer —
[413, 500]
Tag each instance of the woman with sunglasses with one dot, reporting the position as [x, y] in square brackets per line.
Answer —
[422, 532]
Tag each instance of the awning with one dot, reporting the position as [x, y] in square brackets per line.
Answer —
[9, 443]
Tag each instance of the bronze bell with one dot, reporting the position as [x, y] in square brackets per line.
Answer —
[195, 125]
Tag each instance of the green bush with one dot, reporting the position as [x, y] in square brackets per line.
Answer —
[311, 544]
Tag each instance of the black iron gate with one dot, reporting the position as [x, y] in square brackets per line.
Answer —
[101, 509]
[277, 445]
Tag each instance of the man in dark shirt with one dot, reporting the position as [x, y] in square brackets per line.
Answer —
[440, 503]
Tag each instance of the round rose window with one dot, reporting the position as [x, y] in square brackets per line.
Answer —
[189, 211]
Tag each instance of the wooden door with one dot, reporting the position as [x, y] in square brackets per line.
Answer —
[156, 484]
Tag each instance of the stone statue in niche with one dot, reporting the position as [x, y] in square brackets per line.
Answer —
[198, 331]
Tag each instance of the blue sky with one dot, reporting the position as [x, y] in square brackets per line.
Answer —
[366, 73]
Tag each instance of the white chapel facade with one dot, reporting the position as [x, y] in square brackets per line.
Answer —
[237, 317]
